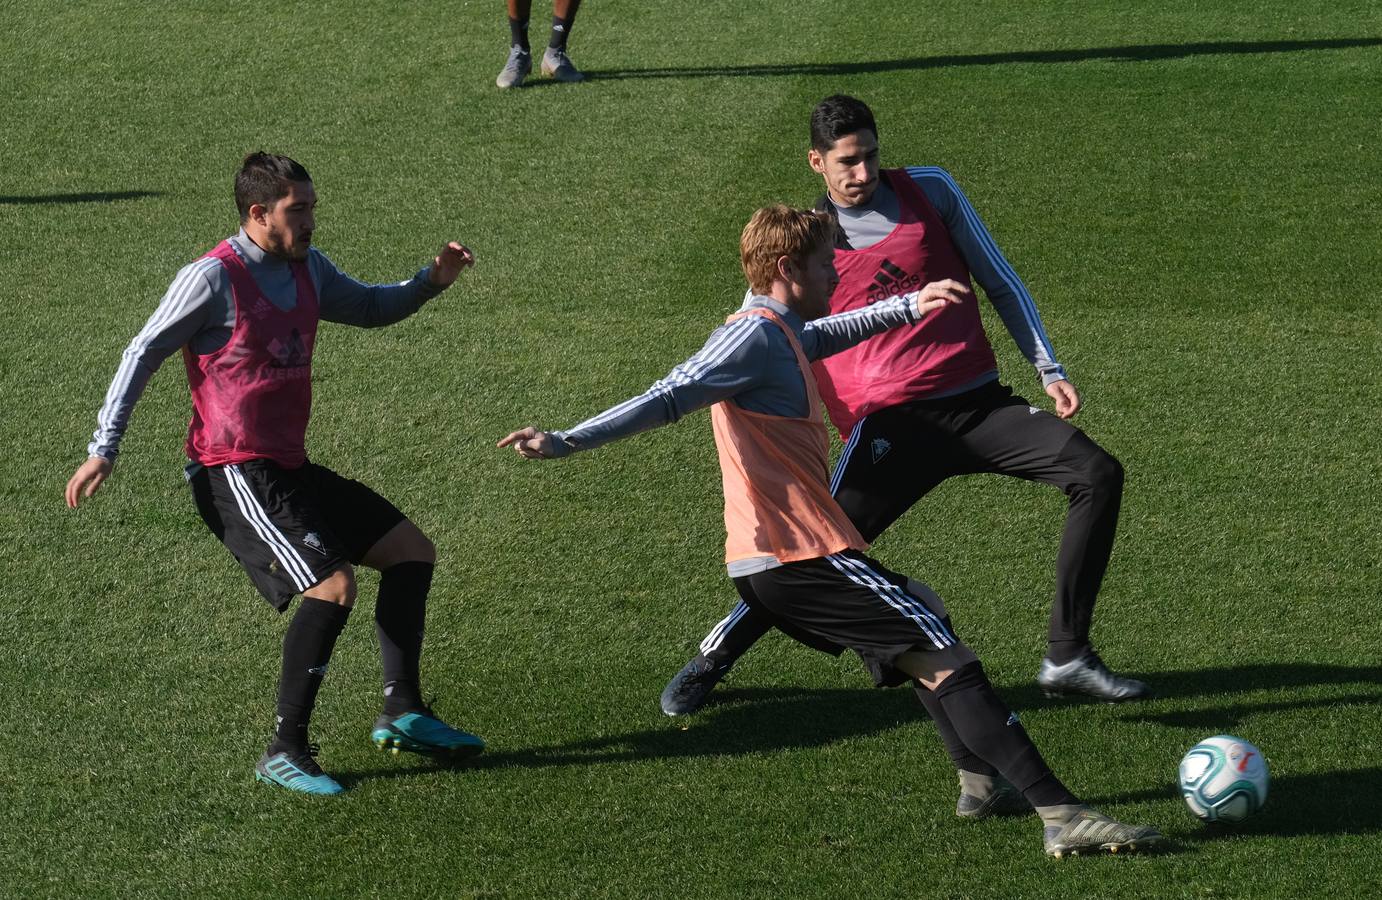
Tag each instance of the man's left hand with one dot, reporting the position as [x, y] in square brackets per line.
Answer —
[1067, 398]
[448, 265]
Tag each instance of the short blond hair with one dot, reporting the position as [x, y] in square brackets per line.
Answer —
[777, 231]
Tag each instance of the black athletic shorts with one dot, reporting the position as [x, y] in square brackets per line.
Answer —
[290, 528]
[850, 600]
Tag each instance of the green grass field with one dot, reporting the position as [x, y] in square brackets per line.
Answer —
[1191, 192]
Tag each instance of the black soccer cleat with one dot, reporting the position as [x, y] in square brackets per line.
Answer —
[687, 691]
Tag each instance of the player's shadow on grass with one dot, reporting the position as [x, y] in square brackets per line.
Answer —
[742, 721]
[93, 197]
[1342, 802]
[1132, 54]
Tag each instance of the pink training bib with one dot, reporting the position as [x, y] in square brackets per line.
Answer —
[251, 398]
[947, 349]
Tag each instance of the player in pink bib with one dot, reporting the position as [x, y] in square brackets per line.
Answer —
[245, 318]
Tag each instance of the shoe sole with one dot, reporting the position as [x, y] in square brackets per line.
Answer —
[1112, 848]
[397, 743]
[1057, 694]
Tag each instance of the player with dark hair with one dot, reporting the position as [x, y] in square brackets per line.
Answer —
[555, 63]
[794, 556]
[923, 403]
[245, 317]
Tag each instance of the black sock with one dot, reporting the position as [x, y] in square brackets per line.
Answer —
[399, 618]
[307, 649]
[963, 758]
[1062, 652]
[561, 27]
[992, 732]
[518, 33]
[960, 755]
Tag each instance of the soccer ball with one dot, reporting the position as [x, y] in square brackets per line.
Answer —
[1223, 779]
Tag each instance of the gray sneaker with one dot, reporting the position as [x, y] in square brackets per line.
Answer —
[1089, 831]
[687, 690]
[1087, 674]
[556, 64]
[516, 69]
[1002, 800]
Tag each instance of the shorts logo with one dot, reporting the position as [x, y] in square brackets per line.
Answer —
[313, 540]
[1032, 410]
[1012, 718]
[880, 448]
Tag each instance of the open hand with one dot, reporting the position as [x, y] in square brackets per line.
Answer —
[530, 443]
[939, 293]
[87, 479]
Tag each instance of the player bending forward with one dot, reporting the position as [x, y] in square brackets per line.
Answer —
[793, 554]
[245, 316]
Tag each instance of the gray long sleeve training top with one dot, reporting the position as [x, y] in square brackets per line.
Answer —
[199, 311]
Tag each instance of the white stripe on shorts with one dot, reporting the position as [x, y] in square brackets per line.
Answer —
[911, 607]
[259, 520]
[726, 625]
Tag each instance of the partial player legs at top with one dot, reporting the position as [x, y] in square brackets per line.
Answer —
[555, 63]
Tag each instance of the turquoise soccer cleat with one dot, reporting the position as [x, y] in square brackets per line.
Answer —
[423, 732]
[296, 771]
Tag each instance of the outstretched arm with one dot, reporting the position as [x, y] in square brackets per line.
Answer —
[350, 302]
[728, 364]
[833, 334]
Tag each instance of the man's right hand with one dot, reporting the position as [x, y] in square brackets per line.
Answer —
[941, 293]
[87, 479]
[531, 443]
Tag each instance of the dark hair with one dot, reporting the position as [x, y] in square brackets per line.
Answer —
[837, 116]
[264, 178]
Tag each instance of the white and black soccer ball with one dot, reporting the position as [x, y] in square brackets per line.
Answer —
[1223, 779]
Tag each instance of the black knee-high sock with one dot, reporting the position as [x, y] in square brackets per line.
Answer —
[400, 617]
[963, 758]
[991, 731]
[307, 649]
[561, 27]
[518, 33]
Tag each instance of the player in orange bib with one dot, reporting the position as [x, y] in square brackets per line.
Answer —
[792, 552]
